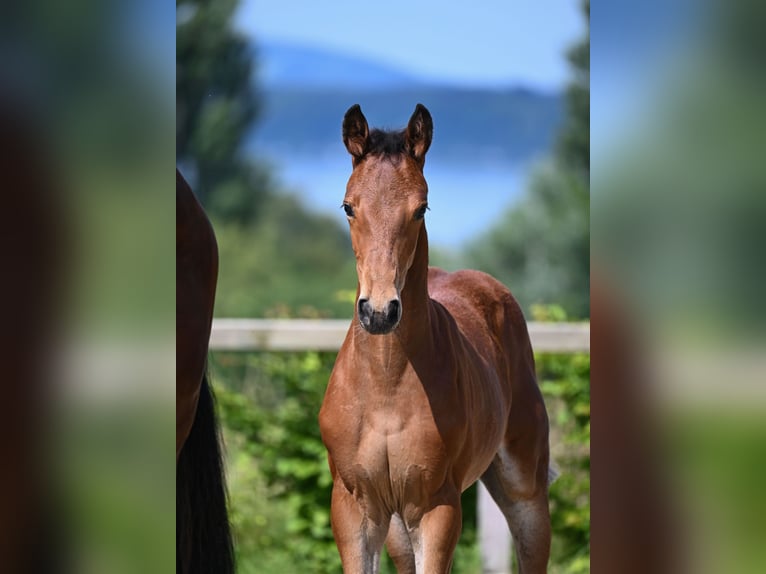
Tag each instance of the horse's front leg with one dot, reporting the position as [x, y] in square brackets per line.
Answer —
[437, 534]
[359, 537]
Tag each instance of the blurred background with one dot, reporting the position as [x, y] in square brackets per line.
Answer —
[87, 409]
[677, 301]
[261, 90]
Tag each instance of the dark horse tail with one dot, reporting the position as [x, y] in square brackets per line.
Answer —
[203, 537]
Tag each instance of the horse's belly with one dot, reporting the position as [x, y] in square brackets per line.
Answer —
[483, 440]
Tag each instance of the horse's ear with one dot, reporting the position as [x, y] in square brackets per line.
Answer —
[420, 130]
[355, 132]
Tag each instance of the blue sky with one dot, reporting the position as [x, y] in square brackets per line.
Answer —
[486, 43]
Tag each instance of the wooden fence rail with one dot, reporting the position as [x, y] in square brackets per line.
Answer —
[328, 334]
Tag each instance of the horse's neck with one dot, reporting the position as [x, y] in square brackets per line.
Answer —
[415, 327]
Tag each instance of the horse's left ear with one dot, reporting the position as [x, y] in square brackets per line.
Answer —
[420, 130]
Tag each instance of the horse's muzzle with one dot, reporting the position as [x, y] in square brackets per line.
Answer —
[379, 322]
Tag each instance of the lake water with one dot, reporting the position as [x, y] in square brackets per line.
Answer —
[464, 200]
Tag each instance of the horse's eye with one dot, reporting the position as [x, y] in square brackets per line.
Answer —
[348, 209]
[421, 212]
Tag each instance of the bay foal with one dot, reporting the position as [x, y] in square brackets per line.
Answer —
[434, 386]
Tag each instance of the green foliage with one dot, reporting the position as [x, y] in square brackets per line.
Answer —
[565, 383]
[277, 258]
[215, 103]
[716, 452]
[270, 402]
[573, 147]
[293, 263]
[216, 106]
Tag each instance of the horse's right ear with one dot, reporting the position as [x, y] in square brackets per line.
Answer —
[355, 132]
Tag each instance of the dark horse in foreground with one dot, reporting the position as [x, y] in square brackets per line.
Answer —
[434, 386]
[203, 538]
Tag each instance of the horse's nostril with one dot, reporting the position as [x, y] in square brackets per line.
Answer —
[394, 308]
[364, 307]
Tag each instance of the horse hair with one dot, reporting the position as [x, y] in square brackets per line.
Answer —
[388, 144]
[203, 535]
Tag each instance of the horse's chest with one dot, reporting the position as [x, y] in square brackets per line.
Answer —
[395, 462]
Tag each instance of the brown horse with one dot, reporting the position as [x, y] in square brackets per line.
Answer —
[203, 538]
[434, 386]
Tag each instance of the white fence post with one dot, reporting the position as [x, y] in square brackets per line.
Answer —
[493, 533]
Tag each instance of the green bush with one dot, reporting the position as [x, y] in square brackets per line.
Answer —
[293, 263]
[565, 382]
[269, 404]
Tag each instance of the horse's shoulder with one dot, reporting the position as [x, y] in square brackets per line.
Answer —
[477, 284]
[474, 298]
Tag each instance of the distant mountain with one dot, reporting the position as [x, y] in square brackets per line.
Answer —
[283, 65]
[306, 92]
[513, 125]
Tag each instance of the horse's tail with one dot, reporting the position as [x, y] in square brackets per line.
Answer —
[203, 538]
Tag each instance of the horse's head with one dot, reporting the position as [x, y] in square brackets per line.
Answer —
[386, 200]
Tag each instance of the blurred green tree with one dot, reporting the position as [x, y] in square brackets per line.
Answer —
[216, 106]
[296, 260]
[540, 247]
